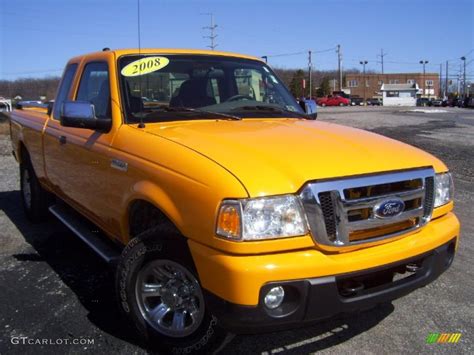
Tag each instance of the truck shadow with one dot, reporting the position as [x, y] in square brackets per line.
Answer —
[78, 267]
[312, 338]
[92, 281]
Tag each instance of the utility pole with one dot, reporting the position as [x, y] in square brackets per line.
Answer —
[364, 62]
[310, 69]
[212, 29]
[464, 79]
[446, 92]
[265, 57]
[440, 76]
[382, 54]
[459, 80]
[339, 65]
[424, 62]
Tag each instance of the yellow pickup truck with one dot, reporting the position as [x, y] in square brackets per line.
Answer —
[221, 201]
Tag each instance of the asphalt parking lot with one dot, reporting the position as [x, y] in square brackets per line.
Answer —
[54, 287]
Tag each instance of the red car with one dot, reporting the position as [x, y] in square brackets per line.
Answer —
[333, 100]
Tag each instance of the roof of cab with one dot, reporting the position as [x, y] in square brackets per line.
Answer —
[121, 52]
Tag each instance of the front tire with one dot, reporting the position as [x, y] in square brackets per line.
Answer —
[33, 197]
[160, 293]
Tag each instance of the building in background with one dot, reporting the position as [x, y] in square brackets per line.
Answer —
[428, 83]
[399, 94]
[5, 105]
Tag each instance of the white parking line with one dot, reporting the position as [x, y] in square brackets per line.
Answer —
[306, 341]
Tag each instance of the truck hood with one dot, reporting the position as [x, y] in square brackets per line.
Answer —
[277, 156]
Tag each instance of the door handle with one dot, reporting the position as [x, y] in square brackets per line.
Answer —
[62, 140]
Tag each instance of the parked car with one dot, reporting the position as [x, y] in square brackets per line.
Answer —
[331, 100]
[423, 101]
[437, 102]
[357, 101]
[465, 102]
[242, 214]
[470, 102]
[374, 101]
[341, 93]
[455, 102]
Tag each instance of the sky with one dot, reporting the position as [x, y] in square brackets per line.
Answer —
[37, 37]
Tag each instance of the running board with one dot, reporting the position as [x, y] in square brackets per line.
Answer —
[81, 227]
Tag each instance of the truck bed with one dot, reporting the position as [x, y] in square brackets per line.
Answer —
[26, 126]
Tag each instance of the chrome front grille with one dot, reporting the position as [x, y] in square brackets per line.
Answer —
[341, 212]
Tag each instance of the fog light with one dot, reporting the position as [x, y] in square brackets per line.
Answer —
[274, 297]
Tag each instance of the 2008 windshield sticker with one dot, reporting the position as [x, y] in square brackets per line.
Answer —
[144, 66]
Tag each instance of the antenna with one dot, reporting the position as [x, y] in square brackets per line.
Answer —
[139, 31]
[212, 29]
[141, 124]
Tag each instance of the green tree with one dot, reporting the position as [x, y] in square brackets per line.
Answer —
[324, 89]
[296, 84]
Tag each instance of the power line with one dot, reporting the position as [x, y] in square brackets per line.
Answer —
[32, 72]
[300, 52]
[285, 54]
[81, 34]
[465, 55]
[326, 50]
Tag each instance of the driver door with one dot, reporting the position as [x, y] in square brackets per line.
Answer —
[77, 160]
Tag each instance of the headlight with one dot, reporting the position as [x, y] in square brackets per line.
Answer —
[261, 218]
[444, 189]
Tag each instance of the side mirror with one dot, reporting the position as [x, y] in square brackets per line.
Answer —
[310, 107]
[50, 107]
[81, 114]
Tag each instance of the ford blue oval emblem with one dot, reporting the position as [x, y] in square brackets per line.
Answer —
[389, 208]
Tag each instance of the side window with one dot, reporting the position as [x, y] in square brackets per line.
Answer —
[95, 88]
[64, 89]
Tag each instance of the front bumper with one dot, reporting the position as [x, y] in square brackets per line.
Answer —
[312, 299]
[239, 278]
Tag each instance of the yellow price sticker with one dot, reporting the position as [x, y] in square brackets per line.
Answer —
[144, 66]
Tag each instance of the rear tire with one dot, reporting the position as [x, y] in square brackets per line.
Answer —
[33, 197]
[160, 294]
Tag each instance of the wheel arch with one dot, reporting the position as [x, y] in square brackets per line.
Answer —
[141, 210]
[152, 203]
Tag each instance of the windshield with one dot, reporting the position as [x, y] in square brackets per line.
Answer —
[161, 87]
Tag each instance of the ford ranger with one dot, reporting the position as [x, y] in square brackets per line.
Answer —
[221, 203]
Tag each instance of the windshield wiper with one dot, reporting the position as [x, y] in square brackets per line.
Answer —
[271, 109]
[189, 109]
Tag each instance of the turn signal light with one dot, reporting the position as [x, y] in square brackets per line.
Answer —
[228, 223]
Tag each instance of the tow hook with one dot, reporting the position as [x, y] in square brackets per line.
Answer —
[350, 288]
[412, 267]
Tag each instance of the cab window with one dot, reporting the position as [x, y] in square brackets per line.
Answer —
[95, 88]
[187, 86]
